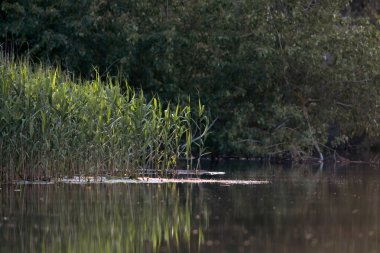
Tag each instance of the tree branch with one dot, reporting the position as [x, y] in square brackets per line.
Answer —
[343, 104]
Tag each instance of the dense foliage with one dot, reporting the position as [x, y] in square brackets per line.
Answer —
[278, 75]
[51, 127]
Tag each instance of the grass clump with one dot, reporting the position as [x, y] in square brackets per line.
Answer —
[51, 126]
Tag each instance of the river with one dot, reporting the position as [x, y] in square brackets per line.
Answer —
[301, 209]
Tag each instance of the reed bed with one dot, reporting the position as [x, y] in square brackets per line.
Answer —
[52, 126]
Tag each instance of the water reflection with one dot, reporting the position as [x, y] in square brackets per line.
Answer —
[303, 209]
[100, 218]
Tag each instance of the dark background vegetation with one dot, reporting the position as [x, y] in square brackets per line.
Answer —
[278, 75]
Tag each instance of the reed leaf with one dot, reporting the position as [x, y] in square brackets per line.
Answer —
[53, 126]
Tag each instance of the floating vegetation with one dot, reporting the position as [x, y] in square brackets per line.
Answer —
[202, 181]
[51, 126]
[146, 180]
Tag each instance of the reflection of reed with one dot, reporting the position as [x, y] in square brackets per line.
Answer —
[101, 218]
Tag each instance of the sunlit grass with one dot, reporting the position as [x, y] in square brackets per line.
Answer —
[51, 126]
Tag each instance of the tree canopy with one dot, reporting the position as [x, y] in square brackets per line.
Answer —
[277, 75]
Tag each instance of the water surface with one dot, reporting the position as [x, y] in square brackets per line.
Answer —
[302, 209]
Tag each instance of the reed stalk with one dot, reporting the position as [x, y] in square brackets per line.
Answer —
[52, 126]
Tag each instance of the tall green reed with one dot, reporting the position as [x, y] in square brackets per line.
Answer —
[51, 126]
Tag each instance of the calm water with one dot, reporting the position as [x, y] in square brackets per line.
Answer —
[302, 210]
